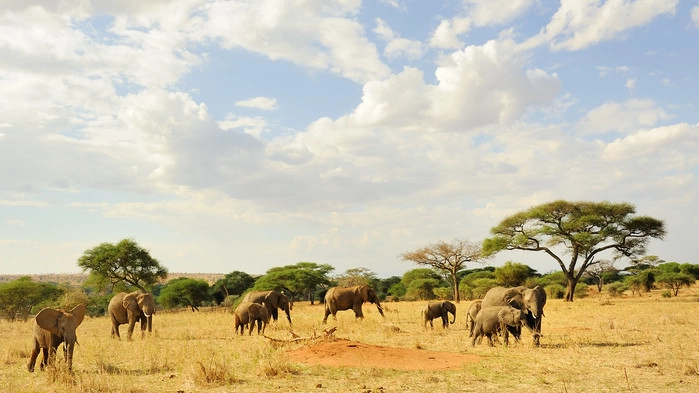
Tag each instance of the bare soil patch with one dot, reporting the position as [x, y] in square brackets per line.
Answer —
[344, 353]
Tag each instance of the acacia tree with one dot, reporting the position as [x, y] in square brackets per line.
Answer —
[184, 291]
[584, 230]
[122, 263]
[447, 257]
[302, 278]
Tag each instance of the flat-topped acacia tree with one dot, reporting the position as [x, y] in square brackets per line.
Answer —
[583, 231]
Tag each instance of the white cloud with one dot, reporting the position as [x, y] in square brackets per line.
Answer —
[263, 103]
[624, 117]
[395, 45]
[581, 23]
[446, 35]
[315, 34]
[661, 147]
[695, 16]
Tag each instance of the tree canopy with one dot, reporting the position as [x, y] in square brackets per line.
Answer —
[582, 230]
[447, 257]
[303, 278]
[355, 276]
[184, 291]
[18, 297]
[122, 263]
[233, 283]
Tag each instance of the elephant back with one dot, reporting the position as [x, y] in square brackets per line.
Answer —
[494, 297]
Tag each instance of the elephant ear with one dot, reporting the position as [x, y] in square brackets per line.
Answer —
[130, 303]
[47, 319]
[363, 292]
[79, 313]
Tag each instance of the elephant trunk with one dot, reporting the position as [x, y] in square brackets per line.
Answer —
[149, 320]
[452, 322]
[378, 307]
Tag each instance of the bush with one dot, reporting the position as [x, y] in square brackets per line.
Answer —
[616, 289]
[582, 290]
[555, 291]
[666, 293]
[444, 293]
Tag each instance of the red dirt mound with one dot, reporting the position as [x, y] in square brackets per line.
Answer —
[343, 353]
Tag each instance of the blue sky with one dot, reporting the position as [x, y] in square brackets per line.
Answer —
[243, 135]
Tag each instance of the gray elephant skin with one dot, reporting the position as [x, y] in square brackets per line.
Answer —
[131, 308]
[496, 319]
[272, 300]
[531, 301]
[473, 310]
[248, 313]
[352, 298]
[434, 310]
[51, 328]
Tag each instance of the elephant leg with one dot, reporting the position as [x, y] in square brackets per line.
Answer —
[143, 327]
[45, 358]
[132, 325]
[32, 358]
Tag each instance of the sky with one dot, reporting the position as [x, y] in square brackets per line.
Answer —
[244, 135]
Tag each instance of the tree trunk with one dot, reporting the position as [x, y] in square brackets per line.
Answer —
[457, 296]
[570, 288]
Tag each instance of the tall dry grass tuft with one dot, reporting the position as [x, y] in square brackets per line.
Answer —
[274, 363]
[213, 372]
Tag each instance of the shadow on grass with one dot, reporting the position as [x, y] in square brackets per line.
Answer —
[591, 344]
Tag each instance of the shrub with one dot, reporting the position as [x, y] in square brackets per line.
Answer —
[615, 289]
[555, 291]
[666, 293]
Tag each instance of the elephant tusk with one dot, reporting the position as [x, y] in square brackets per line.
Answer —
[147, 315]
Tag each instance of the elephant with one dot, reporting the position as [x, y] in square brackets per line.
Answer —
[531, 301]
[494, 319]
[51, 328]
[131, 308]
[439, 310]
[339, 299]
[249, 313]
[473, 310]
[273, 300]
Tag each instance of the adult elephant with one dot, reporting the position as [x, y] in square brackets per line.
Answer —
[51, 328]
[438, 310]
[272, 300]
[531, 301]
[131, 308]
[249, 313]
[339, 299]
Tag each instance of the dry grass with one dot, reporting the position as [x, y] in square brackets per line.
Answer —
[638, 344]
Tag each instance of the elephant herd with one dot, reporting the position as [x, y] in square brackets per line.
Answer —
[501, 311]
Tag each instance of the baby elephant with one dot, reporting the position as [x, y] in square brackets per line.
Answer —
[249, 313]
[492, 320]
[473, 310]
[438, 310]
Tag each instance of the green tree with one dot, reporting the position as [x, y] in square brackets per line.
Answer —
[675, 280]
[355, 276]
[582, 230]
[601, 273]
[122, 263]
[513, 274]
[19, 297]
[422, 289]
[184, 292]
[447, 257]
[303, 278]
[691, 269]
[233, 283]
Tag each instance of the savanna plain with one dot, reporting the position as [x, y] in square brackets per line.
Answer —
[595, 344]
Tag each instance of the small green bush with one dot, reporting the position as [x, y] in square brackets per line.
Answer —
[666, 293]
[555, 291]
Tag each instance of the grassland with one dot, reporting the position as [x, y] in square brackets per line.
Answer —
[632, 344]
